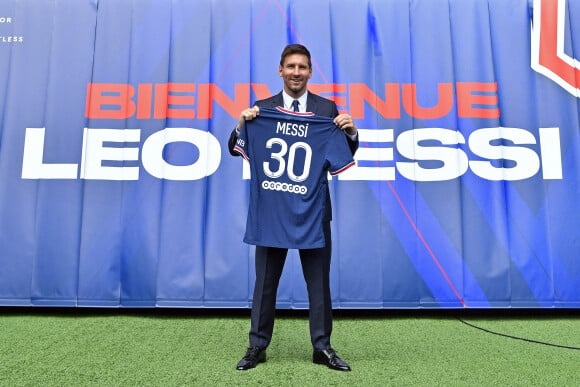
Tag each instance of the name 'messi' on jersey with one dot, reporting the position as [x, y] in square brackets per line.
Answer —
[292, 129]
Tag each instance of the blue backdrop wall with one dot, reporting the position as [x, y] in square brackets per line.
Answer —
[116, 187]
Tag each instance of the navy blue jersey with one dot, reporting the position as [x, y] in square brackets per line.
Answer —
[290, 155]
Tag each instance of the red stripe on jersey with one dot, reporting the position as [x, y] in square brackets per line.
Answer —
[343, 169]
[307, 114]
[241, 152]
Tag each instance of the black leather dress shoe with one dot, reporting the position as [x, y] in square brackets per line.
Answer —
[253, 356]
[329, 358]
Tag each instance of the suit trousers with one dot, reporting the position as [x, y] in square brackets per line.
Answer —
[316, 270]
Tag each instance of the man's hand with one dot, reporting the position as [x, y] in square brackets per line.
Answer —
[247, 115]
[345, 122]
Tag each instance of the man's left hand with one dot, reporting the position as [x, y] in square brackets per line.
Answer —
[345, 122]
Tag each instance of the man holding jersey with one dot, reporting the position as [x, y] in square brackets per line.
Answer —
[334, 149]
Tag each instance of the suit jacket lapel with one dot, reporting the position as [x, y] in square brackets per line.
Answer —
[311, 104]
[277, 100]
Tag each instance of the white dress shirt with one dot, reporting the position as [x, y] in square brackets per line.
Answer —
[301, 102]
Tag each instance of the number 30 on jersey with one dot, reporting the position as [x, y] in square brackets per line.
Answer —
[287, 166]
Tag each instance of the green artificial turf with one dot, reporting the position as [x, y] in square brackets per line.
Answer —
[200, 347]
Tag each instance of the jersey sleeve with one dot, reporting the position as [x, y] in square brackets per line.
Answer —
[338, 153]
[242, 143]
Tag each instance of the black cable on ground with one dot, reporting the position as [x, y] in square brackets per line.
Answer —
[516, 337]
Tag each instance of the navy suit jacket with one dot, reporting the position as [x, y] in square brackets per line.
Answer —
[315, 104]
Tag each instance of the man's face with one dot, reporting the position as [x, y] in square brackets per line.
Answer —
[296, 73]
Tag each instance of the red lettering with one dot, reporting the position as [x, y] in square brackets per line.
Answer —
[164, 99]
[177, 100]
[261, 90]
[443, 107]
[466, 100]
[96, 100]
[209, 92]
[144, 98]
[332, 89]
[389, 108]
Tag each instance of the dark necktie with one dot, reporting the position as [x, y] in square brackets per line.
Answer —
[295, 105]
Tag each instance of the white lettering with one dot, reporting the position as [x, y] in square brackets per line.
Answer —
[292, 129]
[431, 154]
[551, 153]
[506, 160]
[526, 160]
[101, 160]
[373, 152]
[455, 162]
[205, 165]
[33, 166]
[95, 152]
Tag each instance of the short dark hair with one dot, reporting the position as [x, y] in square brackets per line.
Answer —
[295, 49]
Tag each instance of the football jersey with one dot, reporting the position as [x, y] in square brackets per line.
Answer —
[290, 155]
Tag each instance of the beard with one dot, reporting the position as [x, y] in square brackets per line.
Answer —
[296, 88]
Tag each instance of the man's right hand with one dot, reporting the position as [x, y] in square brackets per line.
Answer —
[247, 115]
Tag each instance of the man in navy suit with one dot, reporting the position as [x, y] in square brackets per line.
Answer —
[295, 69]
